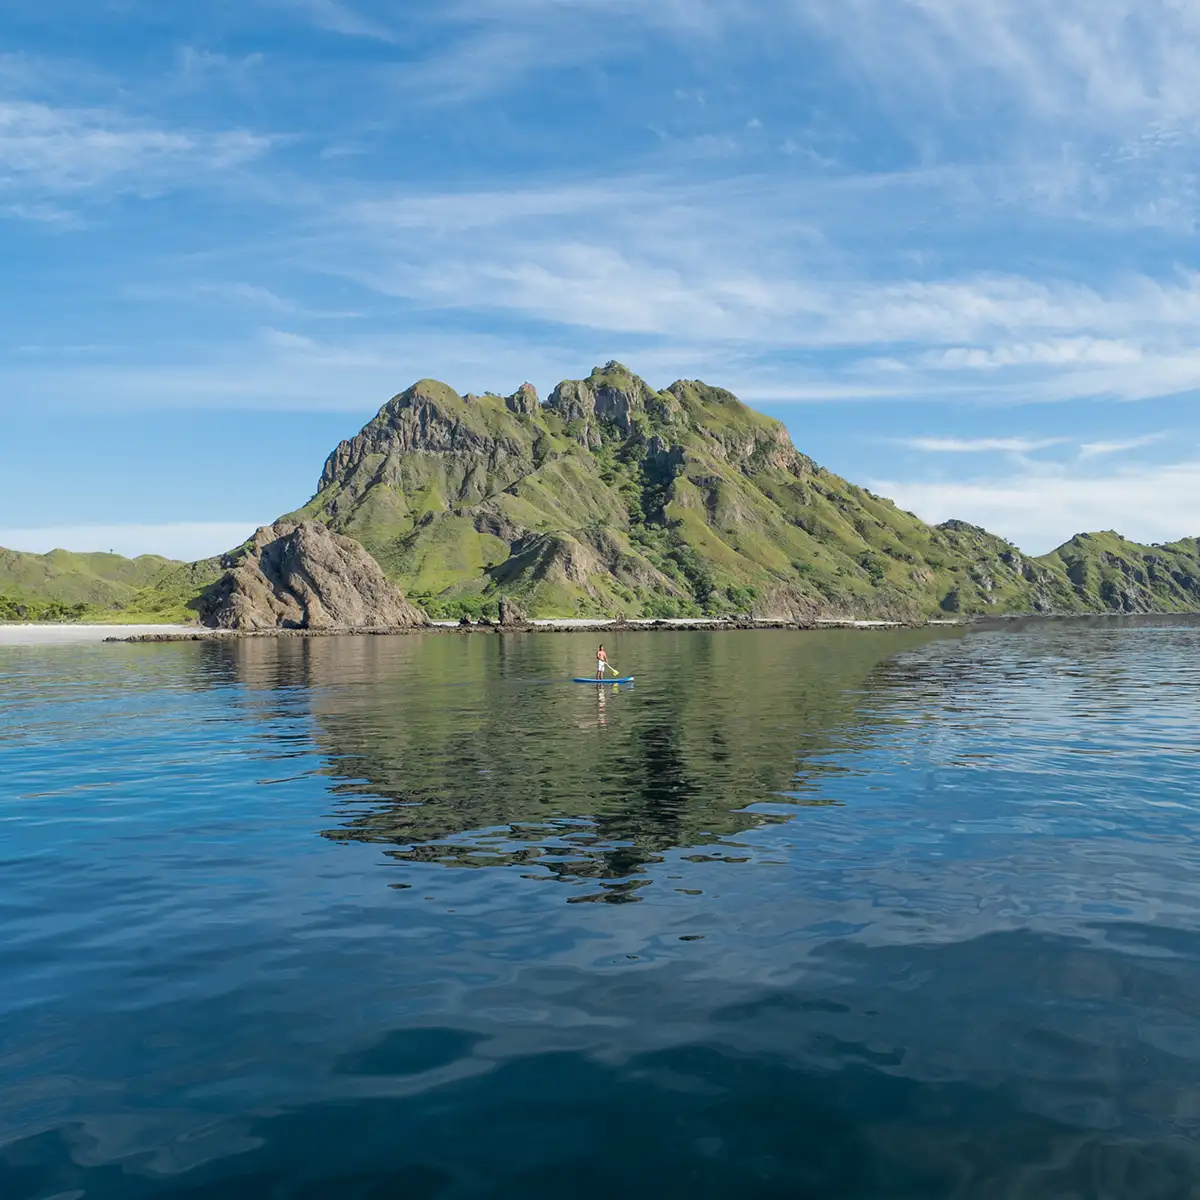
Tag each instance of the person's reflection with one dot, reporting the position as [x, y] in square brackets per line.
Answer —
[601, 707]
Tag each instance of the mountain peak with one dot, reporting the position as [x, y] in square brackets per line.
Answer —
[615, 497]
[523, 400]
[612, 369]
[612, 396]
[432, 391]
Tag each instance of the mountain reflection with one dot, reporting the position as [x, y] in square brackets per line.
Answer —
[478, 752]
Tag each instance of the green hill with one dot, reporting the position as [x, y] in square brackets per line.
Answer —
[612, 498]
[77, 578]
[616, 498]
[1109, 573]
[64, 585]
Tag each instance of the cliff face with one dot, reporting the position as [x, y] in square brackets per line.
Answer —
[614, 498]
[302, 576]
[609, 499]
[1108, 573]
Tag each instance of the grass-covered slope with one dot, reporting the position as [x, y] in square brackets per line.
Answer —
[615, 498]
[1109, 573]
[612, 498]
[72, 578]
[63, 585]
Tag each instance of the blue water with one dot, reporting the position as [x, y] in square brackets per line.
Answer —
[861, 915]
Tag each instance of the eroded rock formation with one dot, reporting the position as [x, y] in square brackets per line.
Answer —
[299, 575]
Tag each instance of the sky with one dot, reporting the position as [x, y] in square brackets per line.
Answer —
[952, 244]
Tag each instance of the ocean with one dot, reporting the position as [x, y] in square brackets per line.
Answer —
[838, 914]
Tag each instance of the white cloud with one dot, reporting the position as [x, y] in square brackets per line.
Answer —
[1039, 512]
[222, 293]
[1110, 66]
[201, 68]
[187, 540]
[339, 17]
[934, 445]
[1056, 352]
[745, 263]
[1098, 449]
[1093, 63]
[763, 253]
[47, 151]
[288, 341]
[281, 371]
[488, 47]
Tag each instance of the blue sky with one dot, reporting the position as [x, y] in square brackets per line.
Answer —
[951, 243]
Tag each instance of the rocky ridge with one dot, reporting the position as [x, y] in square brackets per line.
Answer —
[613, 498]
[300, 575]
[610, 499]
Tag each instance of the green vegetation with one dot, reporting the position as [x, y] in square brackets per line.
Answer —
[41, 610]
[612, 499]
[64, 586]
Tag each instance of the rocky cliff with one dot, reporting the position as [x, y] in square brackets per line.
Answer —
[614, 498]
[1109, 573]
[300, 575]
[611, 498]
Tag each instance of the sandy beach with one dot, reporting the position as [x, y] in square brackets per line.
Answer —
[67, 634]
[41, 635]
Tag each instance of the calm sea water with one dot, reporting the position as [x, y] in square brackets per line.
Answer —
[853, 915]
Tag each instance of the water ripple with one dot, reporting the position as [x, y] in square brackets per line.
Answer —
[834, 915]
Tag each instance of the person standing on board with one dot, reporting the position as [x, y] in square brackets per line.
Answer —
[601, 661]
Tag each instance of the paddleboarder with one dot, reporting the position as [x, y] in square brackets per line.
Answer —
[601, 662]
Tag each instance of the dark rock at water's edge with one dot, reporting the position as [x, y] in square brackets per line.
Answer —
[511, 615]
[300, 575]
[599, 627]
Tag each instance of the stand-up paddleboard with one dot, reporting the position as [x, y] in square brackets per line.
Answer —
[623, 679]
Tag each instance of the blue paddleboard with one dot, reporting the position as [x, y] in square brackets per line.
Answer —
[623, 679]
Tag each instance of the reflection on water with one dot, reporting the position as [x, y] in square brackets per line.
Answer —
[488, 759]
[916, 917]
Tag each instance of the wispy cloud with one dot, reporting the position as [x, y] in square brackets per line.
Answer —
[1039, 512]
[1093, 63]
[732, 261]
[339, 16]
[1015, 445]
[252, 297]
[282, 370]
[485, 48]
[47, 151]
[1083, 66]
[1099, 449]
[1057, 352]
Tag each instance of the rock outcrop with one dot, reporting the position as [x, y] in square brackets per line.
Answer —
[614, 497]
[523, 400]
[610, 498]
[511, 615]
[299, 575]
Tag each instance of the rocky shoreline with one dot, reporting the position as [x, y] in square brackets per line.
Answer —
[599, 626]
[602, 626]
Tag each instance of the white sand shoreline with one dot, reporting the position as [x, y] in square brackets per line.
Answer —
[39, 634]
